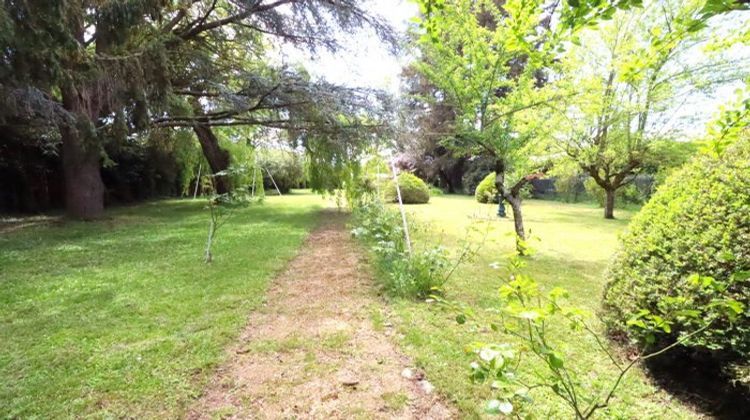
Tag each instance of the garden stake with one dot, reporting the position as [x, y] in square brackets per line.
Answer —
[401, 207]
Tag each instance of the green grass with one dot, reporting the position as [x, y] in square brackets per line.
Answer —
[573, 244]
[120, 317]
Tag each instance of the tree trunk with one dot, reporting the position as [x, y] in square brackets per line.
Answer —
[84, 188]
[515, 205]
[500, 186]
[609, 204]
[217, 157]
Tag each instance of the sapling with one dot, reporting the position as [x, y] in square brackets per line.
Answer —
[527, 313]
[222, 206]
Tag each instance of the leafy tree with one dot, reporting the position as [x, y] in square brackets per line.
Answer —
[489, 61]
[629, 76]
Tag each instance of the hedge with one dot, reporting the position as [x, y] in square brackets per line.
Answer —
[696, 224]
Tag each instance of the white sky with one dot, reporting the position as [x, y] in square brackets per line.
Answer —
[365, 62]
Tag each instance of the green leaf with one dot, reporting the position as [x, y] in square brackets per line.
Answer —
[555, 360]
[726, 256]
[461, 319]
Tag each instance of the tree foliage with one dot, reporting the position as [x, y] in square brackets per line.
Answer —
[97, 71]
[490, 61]
[630, 76]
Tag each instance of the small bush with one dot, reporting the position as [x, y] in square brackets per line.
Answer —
[486, 191]
[435, 191]
[570, 187]
[413, 190]
[415, 275]
[689, 244]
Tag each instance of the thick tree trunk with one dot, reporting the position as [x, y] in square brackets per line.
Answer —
[84, 189]
[217, 157]
[609, 204]
[81, 156]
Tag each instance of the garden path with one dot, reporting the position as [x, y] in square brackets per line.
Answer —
[319, 347]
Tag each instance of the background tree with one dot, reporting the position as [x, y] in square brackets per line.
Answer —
[108, 68]
[489, 61]
[429, 119]
[631, 76]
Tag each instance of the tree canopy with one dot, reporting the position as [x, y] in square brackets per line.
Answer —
[90, 72]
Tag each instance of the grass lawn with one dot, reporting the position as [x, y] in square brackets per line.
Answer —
[573, 245]
[121, 317]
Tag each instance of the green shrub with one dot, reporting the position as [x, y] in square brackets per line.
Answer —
[435, 191]
[415, 275]
[413, 190]
[689, 245]
[486, 191]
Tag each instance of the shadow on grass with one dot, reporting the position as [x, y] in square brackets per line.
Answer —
[699, 382]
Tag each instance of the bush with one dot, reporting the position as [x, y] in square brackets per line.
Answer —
[413, 190]
[415, 275]
[689, 245]
[435, 191]
[486, 191]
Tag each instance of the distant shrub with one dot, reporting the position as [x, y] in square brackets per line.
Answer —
[486, 191]
[415, 275]
[689, 244]
[435, 191]
[413, 190]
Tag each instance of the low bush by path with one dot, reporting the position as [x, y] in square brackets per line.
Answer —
[121, 317]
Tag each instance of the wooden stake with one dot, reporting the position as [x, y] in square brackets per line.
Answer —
[401, 207]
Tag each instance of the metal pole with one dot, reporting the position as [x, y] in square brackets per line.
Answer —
[274, 182]
[197, 182]
[255, 177]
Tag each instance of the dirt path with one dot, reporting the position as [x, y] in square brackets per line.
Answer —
[318, 347]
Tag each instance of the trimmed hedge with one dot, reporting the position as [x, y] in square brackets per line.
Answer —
[697, 223]
[486, 191]
[413, 190]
